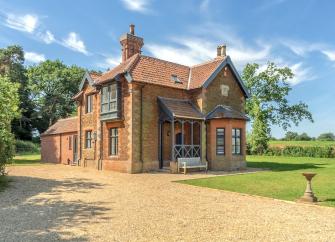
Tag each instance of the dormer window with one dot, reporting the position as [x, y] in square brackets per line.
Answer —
[176, 79]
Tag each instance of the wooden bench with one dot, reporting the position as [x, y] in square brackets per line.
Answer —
[193, 162]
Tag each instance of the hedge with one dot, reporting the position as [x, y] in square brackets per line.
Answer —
[303, 151]
[23, 146]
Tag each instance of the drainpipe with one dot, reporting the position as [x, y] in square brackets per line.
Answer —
[80, 133]
[141, 126]
[101, 147]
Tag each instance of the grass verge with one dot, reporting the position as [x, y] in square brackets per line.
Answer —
[283, 181]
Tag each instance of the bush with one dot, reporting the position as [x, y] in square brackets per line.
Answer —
[303, 151]
[23, 146]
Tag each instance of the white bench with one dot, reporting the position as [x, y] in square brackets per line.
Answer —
[193, 162]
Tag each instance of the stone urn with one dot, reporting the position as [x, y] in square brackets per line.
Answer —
[308, 195]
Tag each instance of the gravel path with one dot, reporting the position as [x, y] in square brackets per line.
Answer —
[57, 202]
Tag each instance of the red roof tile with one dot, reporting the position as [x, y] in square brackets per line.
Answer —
[62, 126]
[200, 73]
[155, 71]
[181, 108]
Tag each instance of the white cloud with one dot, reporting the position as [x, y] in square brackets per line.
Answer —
[34, 57]
[301, 74]
[201, 46]
[26, 23]
[47, 37]
[330, 54]
[74, 42]
[141, 6]
[109, 62]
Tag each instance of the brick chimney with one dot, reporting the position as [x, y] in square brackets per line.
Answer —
[221, 51]
[131, 44]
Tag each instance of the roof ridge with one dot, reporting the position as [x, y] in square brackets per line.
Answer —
[209, 61]
[131, 64]
[189, 79]
[63, 119]
[146, 56]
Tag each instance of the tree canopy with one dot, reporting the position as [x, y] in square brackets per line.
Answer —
[11, 66]
[327, 137]
[268, 104]
[9, 101]
[52, 85]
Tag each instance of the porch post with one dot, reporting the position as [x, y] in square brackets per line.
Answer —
[160, 143]
[172, 140]
[192, 148]
[200, 127]
[182, 139]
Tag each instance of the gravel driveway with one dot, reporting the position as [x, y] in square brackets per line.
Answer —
[57, 202]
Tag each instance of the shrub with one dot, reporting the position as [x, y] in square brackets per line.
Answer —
[23, 146]
[303, 151]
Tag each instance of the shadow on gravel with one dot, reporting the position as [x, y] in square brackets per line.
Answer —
[47, 218]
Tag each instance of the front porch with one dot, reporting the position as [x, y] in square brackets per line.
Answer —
[180, 131]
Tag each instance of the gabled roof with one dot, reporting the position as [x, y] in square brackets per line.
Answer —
[151, 70]
[179, 108]
[222, 111]
[227, 62]
[66, 125]
[90, 78]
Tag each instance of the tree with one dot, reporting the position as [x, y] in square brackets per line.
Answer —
[9, 101]
[303, 137]
[53, 84]
[326, 137]
[11, 66]
[291, 136]
[268, 103]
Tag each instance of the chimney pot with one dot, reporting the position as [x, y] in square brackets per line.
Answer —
[132, 29]
[221, 51]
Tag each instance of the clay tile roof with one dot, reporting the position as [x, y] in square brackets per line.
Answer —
[200, 73]
[160, 72]
[221, 111]
[121, 68]
[95, 76]
[62, 126]
[180, 108]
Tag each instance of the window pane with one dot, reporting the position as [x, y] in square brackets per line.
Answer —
[238, 134]
[113, 91]
[113, 141]
[220, 141]
[105, 95]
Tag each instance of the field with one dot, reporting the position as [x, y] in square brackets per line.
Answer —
[32, 159]
[280, 143]
[283, 180]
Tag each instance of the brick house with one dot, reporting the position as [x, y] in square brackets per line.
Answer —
[145, 113]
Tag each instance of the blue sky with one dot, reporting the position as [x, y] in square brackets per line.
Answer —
[298, 34]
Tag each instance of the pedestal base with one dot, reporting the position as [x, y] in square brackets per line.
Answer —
[308, 198]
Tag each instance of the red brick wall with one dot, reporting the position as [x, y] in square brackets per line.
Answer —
[66, 153]
[55, 148]
[228, 160]
[50, 148]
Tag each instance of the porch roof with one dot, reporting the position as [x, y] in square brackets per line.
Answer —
[222, 111]
[179, 108]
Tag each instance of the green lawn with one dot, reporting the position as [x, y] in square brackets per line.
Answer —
[281, 143]
[283, 181]
[31, 159]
